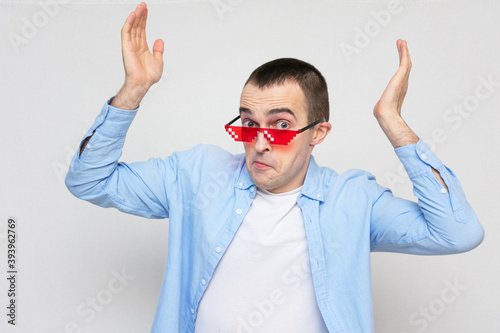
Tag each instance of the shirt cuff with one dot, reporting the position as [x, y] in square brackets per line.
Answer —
[418, 159]
[112, 122]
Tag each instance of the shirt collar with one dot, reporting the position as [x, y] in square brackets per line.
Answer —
[243, 181]
[312, 188]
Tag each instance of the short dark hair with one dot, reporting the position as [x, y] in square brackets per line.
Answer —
[310, 80]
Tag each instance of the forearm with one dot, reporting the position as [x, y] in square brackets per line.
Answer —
[96, 175]
[449, 217]
[106, 135]
[400, 134]
[397, 131]
[442, 221]
[129, 97]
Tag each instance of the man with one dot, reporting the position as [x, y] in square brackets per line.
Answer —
[268, 241]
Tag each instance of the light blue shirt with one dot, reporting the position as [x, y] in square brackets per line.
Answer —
[206, 192]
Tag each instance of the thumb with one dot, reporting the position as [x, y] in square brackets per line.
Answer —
[158, 49]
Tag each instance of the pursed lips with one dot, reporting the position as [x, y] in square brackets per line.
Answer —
[261, 165]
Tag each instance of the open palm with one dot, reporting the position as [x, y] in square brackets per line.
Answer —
[391, 101]
[142, 68]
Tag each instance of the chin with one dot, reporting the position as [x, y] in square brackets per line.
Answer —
[262, 184]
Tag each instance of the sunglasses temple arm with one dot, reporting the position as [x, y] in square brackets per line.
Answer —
[232, 121]
[311, 125]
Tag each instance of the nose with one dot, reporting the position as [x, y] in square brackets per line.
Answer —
[261, 143]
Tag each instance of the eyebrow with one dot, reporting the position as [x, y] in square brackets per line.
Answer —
[270, 112]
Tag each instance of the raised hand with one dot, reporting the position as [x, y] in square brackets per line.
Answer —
[388, 108]
[142, 68]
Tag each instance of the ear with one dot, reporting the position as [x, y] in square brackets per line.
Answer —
[320, 132]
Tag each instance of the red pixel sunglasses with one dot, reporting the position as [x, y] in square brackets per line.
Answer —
[274, 136]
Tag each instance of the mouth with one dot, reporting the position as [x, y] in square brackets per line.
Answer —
[261, 165]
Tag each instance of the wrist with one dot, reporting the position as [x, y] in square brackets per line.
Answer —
[397, 131]
[129, 97]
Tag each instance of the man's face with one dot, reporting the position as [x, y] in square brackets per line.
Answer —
[277, 168]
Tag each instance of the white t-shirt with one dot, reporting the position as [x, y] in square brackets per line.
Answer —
[263, 282]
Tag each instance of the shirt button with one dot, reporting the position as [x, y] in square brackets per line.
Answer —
[239, 211]
[240, 184]
[318, 195]
[424, 156]
[192, 311]
[203, 282]
[443, 190]
[102, 117]
[252, 189]
[218, 249]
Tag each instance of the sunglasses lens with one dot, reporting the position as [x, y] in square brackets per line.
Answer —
[247, 134]
[281, 137]
[234, 131]
[239, 133]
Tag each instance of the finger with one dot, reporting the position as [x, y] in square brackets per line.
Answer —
[406, 66]
[406, 61]
[398, 46]
[407, 51]
[158, 48]
[405, 54]
[144, 19]
[141, 24]
[404, 58]
[136, 27]
[127, 27]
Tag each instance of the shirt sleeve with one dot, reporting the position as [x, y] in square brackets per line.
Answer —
[441, 222]
[96, 175]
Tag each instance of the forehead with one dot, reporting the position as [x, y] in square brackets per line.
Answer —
[260, 100]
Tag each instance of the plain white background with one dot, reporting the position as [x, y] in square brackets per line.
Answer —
[61, 61]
